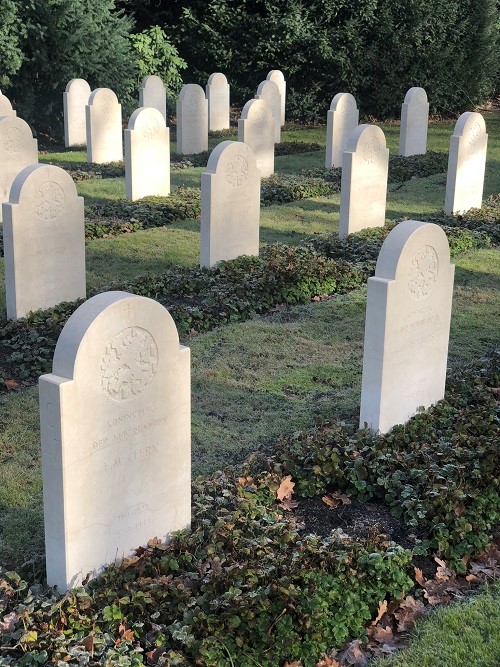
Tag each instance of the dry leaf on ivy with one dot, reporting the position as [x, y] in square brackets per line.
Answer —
[288, 504]
[285, 489]
[88, 643]
[295, 663]
[8, 623]
[333, 500]
[328, 662]
[353, 654]
[382, 608]
[408, 612]
[443, 573]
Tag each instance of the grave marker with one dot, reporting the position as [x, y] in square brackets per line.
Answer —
[414, 121]
[18, 150]
[256, 129]
[269, 91]
[6, 107]
[341, 120]
[75, 99]
[192, 120]
[230, 204]
[217, 90]
[152, 93]
[115, 433]
[407, 327]
[104, 127]
[277, 76]
[363, 194]
[44, 241]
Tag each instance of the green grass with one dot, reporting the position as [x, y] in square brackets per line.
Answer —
[465, 634]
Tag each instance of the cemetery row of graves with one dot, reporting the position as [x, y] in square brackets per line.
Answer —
[251, 581]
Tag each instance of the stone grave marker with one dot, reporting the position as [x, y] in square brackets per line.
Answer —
[44, 241]
[466, 164]
[152, 93]
[217, 90]
[256, 129]
[407, 327]
[277, 76]
[6, 107]
[414, 121]
[269, 91]
[104, 127]
[230, 204]
[192, 120]
[18, 150]
[115, 434]
[75, 99]
[341, 120]
[363, 189]
[147, 155]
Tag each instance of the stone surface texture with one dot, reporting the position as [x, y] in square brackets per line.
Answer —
[152, 93]
[341, 120]
[192, 120]
[269, 91]
[414, 122]
[466, 164]
[44, 241]
[230, 204]
[147, 155]
[6, 107]
[75, 99]
[18, 150]
[407, 327]
[256, 129]
[365, 165]
[104, 127]
[278, 77]
[115, 435]
[217, 90]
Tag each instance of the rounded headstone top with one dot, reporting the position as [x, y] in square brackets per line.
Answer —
[370, 139]
[191, 91]
[14, 132]
[276, 75]
[268, 89]
[217, 79]
[471, 125]
[79, 86]
[153, 81]
[103, 99]
[5, 106]
[258, 111]
[344, 103]
[416, 96]
[237, 159]
[51, 184]
[147, 120]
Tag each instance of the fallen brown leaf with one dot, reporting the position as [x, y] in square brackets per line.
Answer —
[8, 623]
[383, 635]
[382, 608]
[11, 384]
[328, 662]
[408, 612]
[288, 504]
[285, 489]
[333, 500]
[88, 643]
[353, 655]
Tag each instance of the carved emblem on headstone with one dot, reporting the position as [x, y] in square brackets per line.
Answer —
[371, 150]
[150, 129]
[237, 171]
[49, 200]
[423, 272]
[12, 140]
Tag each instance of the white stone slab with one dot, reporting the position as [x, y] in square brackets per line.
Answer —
[6, 107]
[414, 122]
[269, 91]
[407, 327]
[341, 121]
[44, 241]
[278, 77]
[230, 204]
[152, 93]
[147, 155]
[104, 127]
[217, 90]
[18, 150]
[363, 189]
[466, 164]
[115, 431]
[192, 120]
[75, 99]
[256, 129]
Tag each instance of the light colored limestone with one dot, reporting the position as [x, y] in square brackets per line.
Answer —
[365, 165]
[44, 241]
[18, 150]
[75, 99]
[341, 120]
[115, 432]
[256, 129]
[407, 327]
[147, 155]
[269, 91]
[104, 127]
[6, 106]
[230, 204]
[217, 90]
[414, 121]
[278, 77]
[192, 120]
[466, 164]
[152, 93]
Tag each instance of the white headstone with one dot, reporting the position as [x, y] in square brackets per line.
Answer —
[269, 91]
[217, 90]
[192, 120]
[152, 93]
[18, 150]
[277, 76]
[147, 155]
[341, 120]
[75, 99]
[44, 241]
[6, 107]
[230, 204]
[414, 121]
[115, 432]
[104, 127]
[256, 128]
[466, 164]
[407, 327]
[363, 189]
